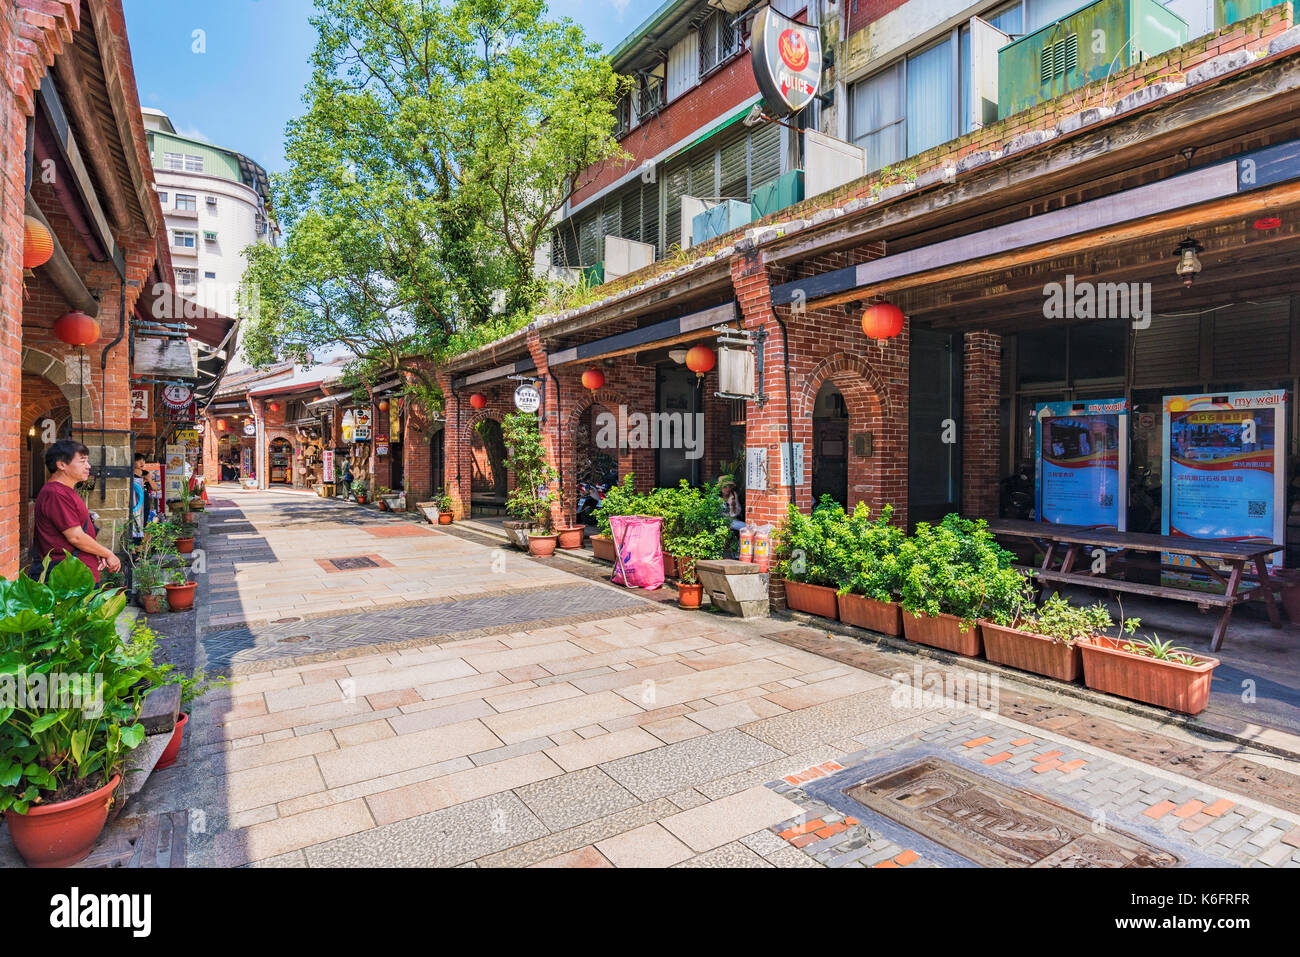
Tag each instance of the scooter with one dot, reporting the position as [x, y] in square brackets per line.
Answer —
[590, 497]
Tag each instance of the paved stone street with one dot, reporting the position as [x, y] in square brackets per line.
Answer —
[455, 704]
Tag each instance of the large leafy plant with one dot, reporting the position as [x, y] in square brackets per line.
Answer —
[957, 568]
[871, 548]
[60, 633]
[695, 521]
[532, 496]
[813, 548]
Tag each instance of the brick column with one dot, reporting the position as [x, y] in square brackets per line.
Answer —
[981, 439]
[558, 452]
[417, 461]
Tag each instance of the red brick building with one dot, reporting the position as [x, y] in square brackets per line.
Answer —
[75, 163]
[965, 235]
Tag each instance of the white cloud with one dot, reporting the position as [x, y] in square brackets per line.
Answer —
[620, 6]
[193, 132]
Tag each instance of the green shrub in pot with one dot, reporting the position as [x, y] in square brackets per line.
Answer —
[814, 549]
[873, 556]
[957, 568]
[1058, 619]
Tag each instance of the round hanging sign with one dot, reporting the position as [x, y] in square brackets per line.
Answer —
[250, 427]
[177, 396]
[527, 398]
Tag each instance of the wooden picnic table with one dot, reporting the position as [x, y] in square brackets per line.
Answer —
[1066, 542]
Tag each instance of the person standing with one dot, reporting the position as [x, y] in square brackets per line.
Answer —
[63, 523]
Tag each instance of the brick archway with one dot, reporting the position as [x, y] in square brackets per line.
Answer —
[870, 408]
[80, 397]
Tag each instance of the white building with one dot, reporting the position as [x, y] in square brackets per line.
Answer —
[216, 203]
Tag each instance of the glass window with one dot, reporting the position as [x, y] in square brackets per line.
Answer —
[193, 164]
[1042, 12]
[186, 277]
[162, 197]
[1009, 19]
[209, 275]
[184, 238]
[876, 121]
[185, 201]
[1199, 15]
[930, 98]
[173, 160]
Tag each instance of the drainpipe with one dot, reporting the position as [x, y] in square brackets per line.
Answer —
[789, 414]
[559, 433]
[444, 446]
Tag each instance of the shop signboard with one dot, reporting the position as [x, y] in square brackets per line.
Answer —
[188, 436]
[787, 61]
[327, 465]
[361, 428]
[250, 427]
[381, 448]
[174, 471]
[527, 398]
[1225, 474]
[140, 405]
[1081, 463]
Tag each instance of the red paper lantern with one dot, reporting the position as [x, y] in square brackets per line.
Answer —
[882, 320]
[383, 405]
[38, 243]
[700, 359]
[273, 406]
[593, 379]
[478, 400]
[221, 425]
[76, 329]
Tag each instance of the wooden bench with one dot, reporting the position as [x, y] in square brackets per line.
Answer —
[1068, 541]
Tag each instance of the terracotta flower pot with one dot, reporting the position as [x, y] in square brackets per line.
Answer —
[444, 518]
[542, 545]
[181, 597]
[688, 596]
[184, 545]
[1030, 652]
[58, 835]
[153, 603]
[173, 748]
[602, 546]
[670, 565]
[190, 517]
[814, 599]
[1165, 684]
[383, 506]
[884, 617]
[942, 631]
[361, 500]
[570, 536]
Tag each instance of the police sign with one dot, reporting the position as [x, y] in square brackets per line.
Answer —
[787, 61]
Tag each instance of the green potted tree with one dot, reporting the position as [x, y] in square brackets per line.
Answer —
[381, 497]
[531, 499]
[1046, 640]
[60, 766]
[810, 558]
[148, 578]
[689, 550]
[868, 596]
[361, 489]
[956, 573]
[446, 508]
[693, 518]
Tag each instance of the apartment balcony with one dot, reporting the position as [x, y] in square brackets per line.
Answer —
[182, 213]
[191, 252]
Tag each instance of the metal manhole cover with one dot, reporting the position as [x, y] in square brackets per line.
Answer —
[994, 825]
[295, 639]
[346, 564]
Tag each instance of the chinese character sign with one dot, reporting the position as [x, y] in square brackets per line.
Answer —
[1082, 463]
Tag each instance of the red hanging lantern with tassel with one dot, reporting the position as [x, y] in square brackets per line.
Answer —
[882, 320]
[76, 329]
[593, 379]
[700, 359]
[383, 405]
[478, 400]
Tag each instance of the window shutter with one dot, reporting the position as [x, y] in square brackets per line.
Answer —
[735, 166]
[1168, 353]
[1240, 332]
[764, 155]
[676, 185]
[704, 182]
[650, 213]
[588, 239]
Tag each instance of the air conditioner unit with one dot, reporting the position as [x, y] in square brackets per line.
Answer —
[1088, 45]
[721, 219]
[623, 256]
[829, 162]
[775, 195]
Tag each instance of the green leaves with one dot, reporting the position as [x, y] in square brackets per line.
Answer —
[71, 578]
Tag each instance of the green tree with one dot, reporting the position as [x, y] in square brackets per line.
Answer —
[440, 141]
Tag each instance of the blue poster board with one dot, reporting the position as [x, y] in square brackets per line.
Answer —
[1081, 463]
[1225, 473]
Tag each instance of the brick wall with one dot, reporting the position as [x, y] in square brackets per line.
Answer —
[981, 425]
[720, 92]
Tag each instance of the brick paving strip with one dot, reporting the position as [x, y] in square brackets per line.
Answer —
[253, 650]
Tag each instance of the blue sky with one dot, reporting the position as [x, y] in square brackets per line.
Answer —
[247, 82]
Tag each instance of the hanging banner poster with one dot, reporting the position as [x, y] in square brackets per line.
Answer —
[1081, 451]
[1225, 474]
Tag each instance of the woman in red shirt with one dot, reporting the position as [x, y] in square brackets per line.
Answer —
[63, 522]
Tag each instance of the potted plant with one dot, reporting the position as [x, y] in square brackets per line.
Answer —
[180, 589]
[531, 498]
[570, 536]
[954, 574]
[1150, 671]
[1046, 640]
[381, 497]
[444, 507]
[689, 550]
[193, 687]
[186, 502]
[184, 540]
[148, 578]
[361, 489]
[868, 597]
[60, 767]
[805, 557]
